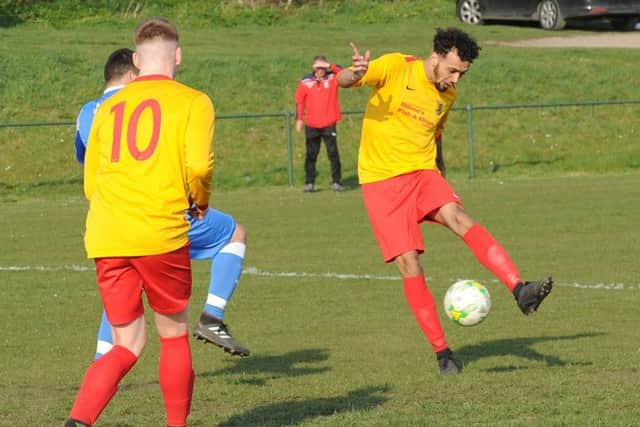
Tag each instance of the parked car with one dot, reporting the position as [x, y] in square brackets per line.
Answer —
[552, 14]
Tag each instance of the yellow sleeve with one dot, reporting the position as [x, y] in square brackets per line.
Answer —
[199, 149]
[91, 157]
[379, 70]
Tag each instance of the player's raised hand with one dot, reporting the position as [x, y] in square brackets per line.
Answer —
[359, 62]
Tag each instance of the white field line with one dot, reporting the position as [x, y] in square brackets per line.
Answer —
[253, 271]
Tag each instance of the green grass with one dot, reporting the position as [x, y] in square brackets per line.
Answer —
[333, 341]
[335, 347]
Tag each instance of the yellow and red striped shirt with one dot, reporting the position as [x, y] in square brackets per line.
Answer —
[405, 113]
[149, 152]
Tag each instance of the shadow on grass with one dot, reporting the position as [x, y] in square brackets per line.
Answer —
[294, 412]
[255, 370]
[350, 182]
[274, 366]
[7, 189]
[520, 347]
[497, 166]
[8, 20]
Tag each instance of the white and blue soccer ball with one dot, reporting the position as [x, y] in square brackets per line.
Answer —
[467, 302]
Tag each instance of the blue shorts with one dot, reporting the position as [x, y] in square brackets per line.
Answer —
[209, 235]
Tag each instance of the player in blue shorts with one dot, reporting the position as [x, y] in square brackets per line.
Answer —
[217, 237]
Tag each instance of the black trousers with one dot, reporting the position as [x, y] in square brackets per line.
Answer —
[314, 137]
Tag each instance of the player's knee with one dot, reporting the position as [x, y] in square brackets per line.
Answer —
[455, 217]
[138, 347]
[239, 234]
[135, 343]
[171, 325]
[408, 264]
[462, 220]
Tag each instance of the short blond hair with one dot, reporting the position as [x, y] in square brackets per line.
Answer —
[156, 28]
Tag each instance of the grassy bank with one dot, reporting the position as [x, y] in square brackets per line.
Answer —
[50, 66]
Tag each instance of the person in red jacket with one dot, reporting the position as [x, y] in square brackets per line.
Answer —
[318, 106]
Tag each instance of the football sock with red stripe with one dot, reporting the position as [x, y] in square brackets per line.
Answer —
[422, 304]
[100, 383]
[492, 255]
[176, 378]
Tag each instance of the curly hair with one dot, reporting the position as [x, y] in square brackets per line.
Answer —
[452, 38]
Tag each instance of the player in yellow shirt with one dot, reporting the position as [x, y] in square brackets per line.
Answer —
[217, 237]
[149, 161]
[401, 169]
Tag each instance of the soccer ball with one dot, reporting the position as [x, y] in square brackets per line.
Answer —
[467, 302]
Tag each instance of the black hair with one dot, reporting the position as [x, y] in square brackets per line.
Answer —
[452, 38]
[118, 63]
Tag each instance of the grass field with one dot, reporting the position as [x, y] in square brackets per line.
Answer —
[333, 341]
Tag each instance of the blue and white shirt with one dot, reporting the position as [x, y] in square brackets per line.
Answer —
[85, 118]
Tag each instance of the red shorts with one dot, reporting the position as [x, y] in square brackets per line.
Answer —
[396, 207]
[165, 278]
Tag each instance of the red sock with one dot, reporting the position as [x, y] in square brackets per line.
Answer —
[176, 378]
[423, 306]
[492, 255]
[100, 383]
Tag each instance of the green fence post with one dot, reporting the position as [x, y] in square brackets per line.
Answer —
[289, 148]
[469, 109]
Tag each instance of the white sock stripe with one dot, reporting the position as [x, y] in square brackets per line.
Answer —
[103, 347]
[253, 271]
[216, 301]
[235, 248]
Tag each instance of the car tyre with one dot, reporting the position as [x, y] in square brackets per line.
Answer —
[469, 12]
[550, 15]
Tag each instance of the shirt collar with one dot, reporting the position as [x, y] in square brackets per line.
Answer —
[113, 88]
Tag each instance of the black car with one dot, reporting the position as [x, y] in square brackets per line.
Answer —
[552, 14]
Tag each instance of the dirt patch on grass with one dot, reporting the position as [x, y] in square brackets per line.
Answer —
[629, 40]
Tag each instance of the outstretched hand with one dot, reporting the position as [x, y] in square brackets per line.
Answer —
[359, 62]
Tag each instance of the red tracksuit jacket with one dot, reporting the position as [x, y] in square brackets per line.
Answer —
[317, 101]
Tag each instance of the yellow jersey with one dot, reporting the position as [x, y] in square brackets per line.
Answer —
[404, 115]
[149, 155]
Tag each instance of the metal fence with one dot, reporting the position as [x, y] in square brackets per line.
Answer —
[287, 117]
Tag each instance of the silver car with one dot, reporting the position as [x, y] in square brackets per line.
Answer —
[551, 14]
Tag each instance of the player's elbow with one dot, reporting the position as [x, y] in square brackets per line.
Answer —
[88, 192]
[201, 170]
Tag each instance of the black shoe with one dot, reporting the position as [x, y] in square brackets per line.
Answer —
[529, 295]
[75, 423]
[213, 330]
[447, 363]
